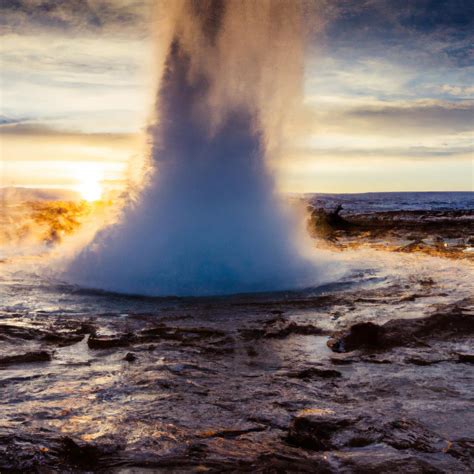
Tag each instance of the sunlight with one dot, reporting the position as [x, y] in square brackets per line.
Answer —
[90, 190]
[89, 184]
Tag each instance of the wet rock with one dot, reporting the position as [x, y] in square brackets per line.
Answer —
[130, 357]
[380, 458]
[324, 223]
[63, 339]
[462, 449]
[327, 430]
[21, 453]
[404, 332]
[359, 335]
[315, 372]
[79, 454]
[230, 433]
[465, 357]
[19, 332]
[313, 429]
[424, 360]
[107, 342]
[344, 360]
[280, 331]
[293, 328]
[409, 434]
[374, 359]
[251, 352]
[27, 358]
[182, 334]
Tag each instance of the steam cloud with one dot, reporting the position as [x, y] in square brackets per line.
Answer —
[208, 220]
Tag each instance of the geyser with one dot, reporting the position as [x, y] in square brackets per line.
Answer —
[208, 220]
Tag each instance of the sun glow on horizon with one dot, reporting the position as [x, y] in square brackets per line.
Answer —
[89, 184]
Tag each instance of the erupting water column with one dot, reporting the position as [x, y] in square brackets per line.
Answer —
[208, 221]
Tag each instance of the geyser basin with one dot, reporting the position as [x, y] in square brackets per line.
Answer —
[208, 221]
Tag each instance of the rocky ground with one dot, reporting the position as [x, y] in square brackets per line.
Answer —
[247, 386]
[447, 233]
[368, 379]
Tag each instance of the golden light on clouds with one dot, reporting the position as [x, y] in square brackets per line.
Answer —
[90, 164]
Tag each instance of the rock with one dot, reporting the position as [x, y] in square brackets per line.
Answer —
[359, 335]
[293, 328]
[27, 358]
[462, 449]
[313, 429]
[12, 331]
[182, 334]
[383, 459]
[327, 430]
[404, 332]
[312, 372]
[252, 352]
[130, 357]
[342, 360]
[80, 455]
[107, 342]
[63, 339]
[465, 357]
[280, 331]
[323, 223]
[409, 434]
[423, 360]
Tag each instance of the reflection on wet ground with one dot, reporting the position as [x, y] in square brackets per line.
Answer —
[94, 381]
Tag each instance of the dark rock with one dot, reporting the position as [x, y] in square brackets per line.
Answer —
[280, 331]
[312, 372]
[462, 449]
[178, 334]
[409, 434]
[27, 358]
[326, 430]
[424, 360]
[130, 357]
[342, 360]
[19, 332]
[80, 455]
[323, 223]
[404, 332]
[63, 339]
[359, 335]
[465, 357]
[251, 352]
[107, 342]
[312, 429]
[383, 459]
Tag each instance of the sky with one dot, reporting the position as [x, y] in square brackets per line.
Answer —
[388, 96]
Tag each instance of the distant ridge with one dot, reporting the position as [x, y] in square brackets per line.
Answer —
[18, 194]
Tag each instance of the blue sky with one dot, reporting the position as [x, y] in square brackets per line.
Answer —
[389, 95]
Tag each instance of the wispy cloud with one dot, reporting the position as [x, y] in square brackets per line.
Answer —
[116, 17]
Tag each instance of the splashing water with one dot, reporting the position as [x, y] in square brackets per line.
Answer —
[208, 220]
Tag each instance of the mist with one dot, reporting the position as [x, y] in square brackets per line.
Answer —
[208, 219]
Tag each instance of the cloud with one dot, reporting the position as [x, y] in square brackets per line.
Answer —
[415, 120]
[426, 32]
[37, 130]
[429, 116]
[458, 91]
[117, 17]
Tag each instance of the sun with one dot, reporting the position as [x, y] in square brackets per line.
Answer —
[89, 184]
[90, 190]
